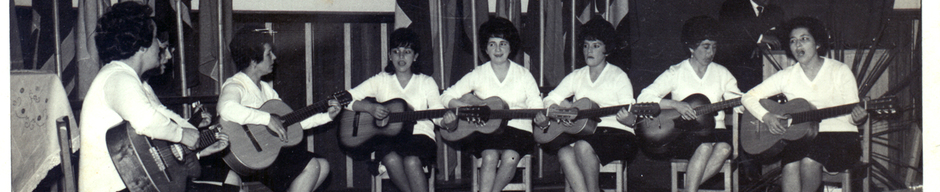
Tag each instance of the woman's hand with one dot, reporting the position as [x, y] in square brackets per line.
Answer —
[540, 120]
[450, 121]
[683, 108]
[859, 115]
[275, 125]
[334, 108]
[379, 111]
[219, 145]
[773, 123]
[625, 117]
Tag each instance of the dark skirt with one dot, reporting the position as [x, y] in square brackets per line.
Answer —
[506, 138]
[836, 151]
[288, 165]
[612, 144]
[420, 146]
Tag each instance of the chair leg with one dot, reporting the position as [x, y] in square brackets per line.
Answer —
[675, 177]
[620, 176]
[475, 174]
[847, 181]
[527, 174]
[727, 169]
[377, 183]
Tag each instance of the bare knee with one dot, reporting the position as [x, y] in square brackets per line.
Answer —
[413, 161]
[566, 154]
[313, 166]
[510, 155]
[324, 165]
[391, 159]
[722, 148]
[583, 148]
[490, 156]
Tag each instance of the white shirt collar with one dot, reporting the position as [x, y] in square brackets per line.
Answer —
[754, 7]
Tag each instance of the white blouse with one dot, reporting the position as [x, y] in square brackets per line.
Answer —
[421, 93]
[519, 89]
[681, 80]
[611, 88]
[834, 85]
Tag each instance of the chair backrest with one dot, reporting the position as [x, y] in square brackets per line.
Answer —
[68, 180]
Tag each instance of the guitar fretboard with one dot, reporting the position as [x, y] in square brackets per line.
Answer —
[711, 108]
[416, 115]
[819, 114]
[514, 113]
[302, 113]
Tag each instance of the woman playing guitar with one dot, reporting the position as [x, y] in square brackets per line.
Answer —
[242, 95]
[607, 85]
[824, 83]
[405, 155]
[696, 75]
[503, 78]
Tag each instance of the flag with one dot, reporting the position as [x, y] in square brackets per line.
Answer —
[88, 64]
[209, 41]
[543, 40]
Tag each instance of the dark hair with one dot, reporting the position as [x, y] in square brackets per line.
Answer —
[601, 30]
[815, 28]
[406, 38]
[500, 28]
[248, 45]
[123, 30]
[699, 28]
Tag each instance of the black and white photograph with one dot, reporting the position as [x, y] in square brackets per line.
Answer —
[468, 96]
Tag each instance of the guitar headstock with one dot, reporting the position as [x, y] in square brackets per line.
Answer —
[883, 108]
[343, 97]
[474, 113]
[645, 110]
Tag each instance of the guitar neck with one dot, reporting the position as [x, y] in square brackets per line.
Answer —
[206, 138]
[711, 108]
[514, 113]
[819, 114]
[416, 115]
[600, 112]
[303, 113]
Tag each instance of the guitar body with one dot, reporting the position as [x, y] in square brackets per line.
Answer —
[658, 132]
[359, 127]
[580, 127]
[149, 165]
[254, 147]
[466, 128]
[756, 138]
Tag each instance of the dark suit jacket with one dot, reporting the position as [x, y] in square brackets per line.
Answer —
[741, 29]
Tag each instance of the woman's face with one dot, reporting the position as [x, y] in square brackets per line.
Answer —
[705, 52]
[402, 58]
[594, 52]
[267, 64]
[151, 56]
[498, 50]
[166, 53]
[803, 45]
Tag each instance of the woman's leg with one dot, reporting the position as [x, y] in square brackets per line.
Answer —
[790, 180]
[233, 179]
[590, 165]
[810, 174]
[569, 166]
[507, 169]
[720, 153]
[396, 171]
[307, 178]
[324, 172]
[488, 169]
[414, 170]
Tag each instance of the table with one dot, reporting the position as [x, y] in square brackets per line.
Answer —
[38, 99]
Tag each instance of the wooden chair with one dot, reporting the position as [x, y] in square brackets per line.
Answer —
[619, 169]
[377, 179]
[69, 181]
[729, 172]
[525, 163]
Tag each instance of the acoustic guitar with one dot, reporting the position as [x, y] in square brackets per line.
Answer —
[802, 124]
[585, 123]
[146, 164]
[499, 111]
[357, 128]
[656, 133]
[255, 147]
